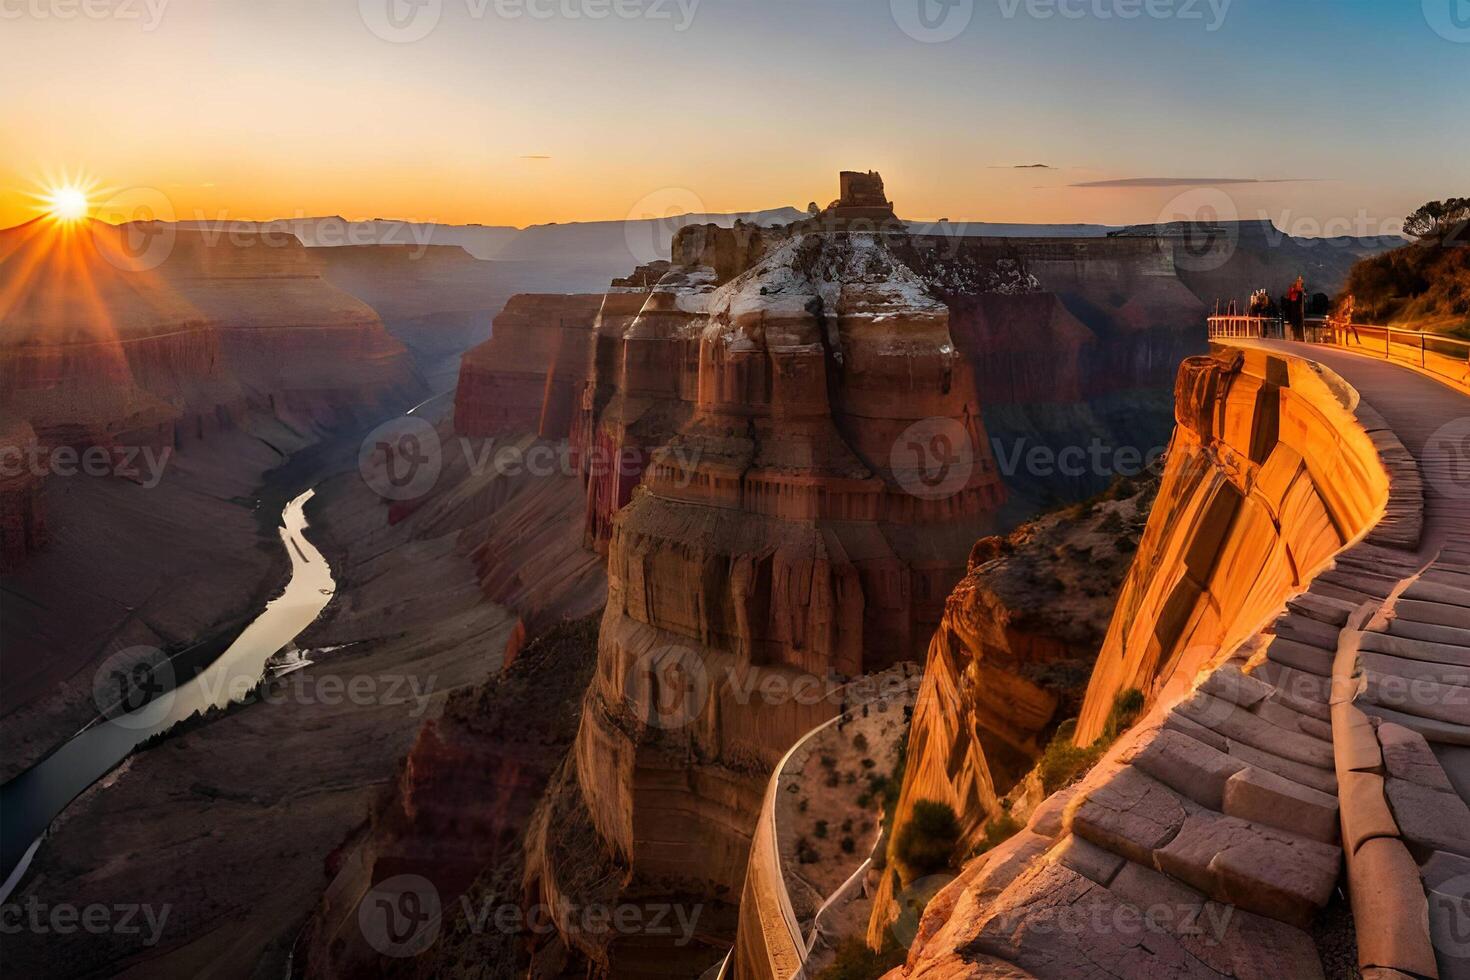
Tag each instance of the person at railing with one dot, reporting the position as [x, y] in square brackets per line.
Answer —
[1296, 309]
[1341, 321]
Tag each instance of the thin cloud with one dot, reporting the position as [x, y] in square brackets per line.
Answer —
[1190, 181]
[1023, 166]
[535, 156]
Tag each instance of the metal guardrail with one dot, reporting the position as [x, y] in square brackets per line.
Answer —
[1441, 354]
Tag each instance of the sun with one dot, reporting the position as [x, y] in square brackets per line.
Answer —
[68, 203]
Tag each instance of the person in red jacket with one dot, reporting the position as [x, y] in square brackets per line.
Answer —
[1296, 309]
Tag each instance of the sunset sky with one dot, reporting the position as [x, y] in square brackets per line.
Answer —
[1354, 109]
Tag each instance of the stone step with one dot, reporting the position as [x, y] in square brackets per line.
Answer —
[1324, 609]
[1422, 698]
[1442, 576]
[1260, 869]
[1265, 798]
[1298, 772]
[1411, 669]
[1407, 756]
[1437, 732]
[1403, 646]
[1433, 613]
[1238, 724]
[1429, 819]
[1306, 692]
[1310, 631]
[1428, 631]
[1376, 586]
[1435, 592]
[1334, 591]
[1300, 656]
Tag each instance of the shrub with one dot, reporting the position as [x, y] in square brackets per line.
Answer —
[860, 742]
[926, 844]
[855, 961]
[820, 831]
[848, 845]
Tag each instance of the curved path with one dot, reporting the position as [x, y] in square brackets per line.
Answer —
[1340, 732]
[1401, 696]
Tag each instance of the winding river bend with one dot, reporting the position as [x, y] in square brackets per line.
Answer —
[30, 801]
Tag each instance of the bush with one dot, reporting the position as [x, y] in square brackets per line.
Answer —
[926, 844]
[855, 961]
[1063, 760]
[860, 742]
[820, 832]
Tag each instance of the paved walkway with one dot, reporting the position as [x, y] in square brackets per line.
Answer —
[1403, 743]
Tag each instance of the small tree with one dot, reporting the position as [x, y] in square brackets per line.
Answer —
[1439, 221]
[926, 844]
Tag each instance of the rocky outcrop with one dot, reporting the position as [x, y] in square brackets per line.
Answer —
[529, 376]
[784, 531]
[1223, 800]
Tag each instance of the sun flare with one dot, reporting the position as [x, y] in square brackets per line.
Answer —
[67, 203]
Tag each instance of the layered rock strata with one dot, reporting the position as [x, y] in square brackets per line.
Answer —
[528, 377]
[783, 532]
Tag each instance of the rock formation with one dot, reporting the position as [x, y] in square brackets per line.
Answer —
[784, 530]
[528, 377]
[22, 508]
[1224, 794]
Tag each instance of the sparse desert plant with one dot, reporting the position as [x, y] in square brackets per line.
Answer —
[820, 830]
[926, 843]
[860, 742]
[855, 961]
[848, 845]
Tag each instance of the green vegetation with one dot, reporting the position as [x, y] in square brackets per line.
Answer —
[855, 961]
[926, 844]
[1064, 760]
[1426, 284]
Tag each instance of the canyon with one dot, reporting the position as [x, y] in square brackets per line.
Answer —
[765, 462]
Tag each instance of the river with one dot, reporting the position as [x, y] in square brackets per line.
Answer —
[30, 801]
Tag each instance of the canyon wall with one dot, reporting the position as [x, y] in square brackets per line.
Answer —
[182, 369]
[1272, 472]
[528, 377]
